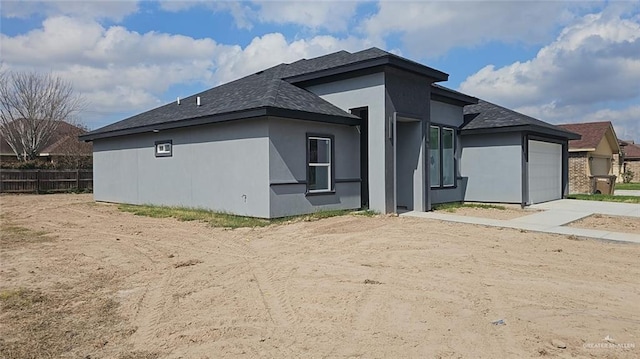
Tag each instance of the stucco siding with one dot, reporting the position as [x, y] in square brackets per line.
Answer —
[223, 167]
[446, 114]
[288, 166]
[367, 91]
[407, 98]
[491, 165]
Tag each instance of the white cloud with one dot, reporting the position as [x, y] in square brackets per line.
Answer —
[92, 9]
[430, 29]
[114, 68]
[593, 63]
[333, 16]
[242, 13]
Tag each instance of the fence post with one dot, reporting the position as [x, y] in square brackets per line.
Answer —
[37, 181]
[78, 180]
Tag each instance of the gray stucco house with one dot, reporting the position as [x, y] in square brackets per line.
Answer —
[340, 131]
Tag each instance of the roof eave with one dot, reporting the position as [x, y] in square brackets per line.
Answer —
[380, 62]
[522, 128]
[612, 138]
[224, 117]
[452, 97]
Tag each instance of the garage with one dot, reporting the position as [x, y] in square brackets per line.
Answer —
[508, 157]
[544, 171]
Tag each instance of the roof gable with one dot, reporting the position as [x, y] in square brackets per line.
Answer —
[592, 134]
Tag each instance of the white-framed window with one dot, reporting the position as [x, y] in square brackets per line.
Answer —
[164, 148]
[442, 160]
[319, 163]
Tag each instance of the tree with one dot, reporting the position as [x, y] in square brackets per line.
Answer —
[31, 108]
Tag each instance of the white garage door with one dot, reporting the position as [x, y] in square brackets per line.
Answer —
[545, 171]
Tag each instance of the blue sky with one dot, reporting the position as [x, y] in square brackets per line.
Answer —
[558, 61]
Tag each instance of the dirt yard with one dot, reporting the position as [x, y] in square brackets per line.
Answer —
[84, 280]
[608, 223]
[509, 212]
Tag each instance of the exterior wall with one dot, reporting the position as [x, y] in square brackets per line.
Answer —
[288, 167]
[578, 172]
[633, 166]
[407, 96]
[222, 167]
[450, 116]
[368, 91]
[617, 168]
[491, 167]
[601, 164]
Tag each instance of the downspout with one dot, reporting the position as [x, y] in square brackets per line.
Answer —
[525, 170]
[565, 169]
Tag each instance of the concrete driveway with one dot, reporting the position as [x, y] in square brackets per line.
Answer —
[626, 192]
[553, 217]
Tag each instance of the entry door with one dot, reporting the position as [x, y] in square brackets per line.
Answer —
[545, 171]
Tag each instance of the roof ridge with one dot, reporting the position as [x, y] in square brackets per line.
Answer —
[274, 86]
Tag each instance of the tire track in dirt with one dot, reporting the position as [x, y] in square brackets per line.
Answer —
[152, 309]
[275, 302]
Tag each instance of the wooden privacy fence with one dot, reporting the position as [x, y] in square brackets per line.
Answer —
[43, 181]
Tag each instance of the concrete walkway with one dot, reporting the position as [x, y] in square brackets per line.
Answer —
[552, 219]
[626, 192]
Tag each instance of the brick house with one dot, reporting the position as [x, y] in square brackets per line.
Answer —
[592, 156]
[63, 145]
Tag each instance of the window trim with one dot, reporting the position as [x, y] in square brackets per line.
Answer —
[331, 164]
[163, 153]
[441, 129]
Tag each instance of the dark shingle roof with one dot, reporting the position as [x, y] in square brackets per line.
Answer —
[269, 92]
[591, 132]
[488, 117]
[264, 89]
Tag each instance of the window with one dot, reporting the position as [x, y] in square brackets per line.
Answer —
[319, 169]
[448, 158]
[434, 156]
[164, 149]
[442, 163]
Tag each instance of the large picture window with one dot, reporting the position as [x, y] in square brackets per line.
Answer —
[442, 163]
[319, 171]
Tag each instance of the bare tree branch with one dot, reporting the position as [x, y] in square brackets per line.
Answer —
[31, 108]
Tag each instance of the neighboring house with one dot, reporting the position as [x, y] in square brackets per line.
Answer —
[591, 156]
[62, 144]
[513, 158]
[631, 159]
[340, 131]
